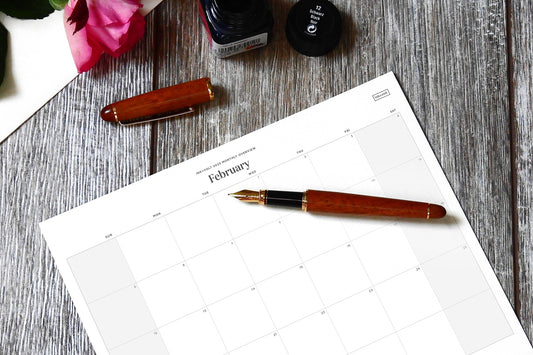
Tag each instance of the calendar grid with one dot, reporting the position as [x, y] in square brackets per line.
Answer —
[316, 290]
[232, 241]
[373, 287]
[205, 306]
[254, 284]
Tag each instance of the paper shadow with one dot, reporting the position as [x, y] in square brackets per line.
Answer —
[9, 86]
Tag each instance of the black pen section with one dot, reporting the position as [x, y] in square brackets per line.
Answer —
[283, 198]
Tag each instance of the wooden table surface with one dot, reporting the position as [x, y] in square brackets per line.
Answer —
[465, 67]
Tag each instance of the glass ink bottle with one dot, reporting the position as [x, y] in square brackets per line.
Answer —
[236, 26]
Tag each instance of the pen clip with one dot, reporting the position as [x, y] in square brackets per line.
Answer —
[153, 118]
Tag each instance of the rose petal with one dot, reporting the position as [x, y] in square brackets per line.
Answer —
[85, 51]
[105, 12]
[114, 26]
[118, 38]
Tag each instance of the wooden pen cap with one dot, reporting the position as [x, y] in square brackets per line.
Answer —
[158, 104]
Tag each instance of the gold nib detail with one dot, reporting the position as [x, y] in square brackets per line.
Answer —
[246, 196]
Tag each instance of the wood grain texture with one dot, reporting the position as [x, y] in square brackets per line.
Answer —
[451, 58]
[521, 81]
[64, 156]
[159, 103]
[343, 203]
[252, 90]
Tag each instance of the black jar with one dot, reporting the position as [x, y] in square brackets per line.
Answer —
[313, 27]
[236, 26]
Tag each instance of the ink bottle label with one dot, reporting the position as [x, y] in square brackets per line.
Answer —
[227, 50]
[236, 26]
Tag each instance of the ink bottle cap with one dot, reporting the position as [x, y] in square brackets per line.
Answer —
[236, 26]
[313, 27]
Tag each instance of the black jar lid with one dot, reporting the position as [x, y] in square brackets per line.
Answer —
[313, 27]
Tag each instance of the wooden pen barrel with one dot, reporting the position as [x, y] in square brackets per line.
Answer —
[162, 101]
[335, 202]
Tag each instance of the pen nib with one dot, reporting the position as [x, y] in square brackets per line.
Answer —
[246, 195]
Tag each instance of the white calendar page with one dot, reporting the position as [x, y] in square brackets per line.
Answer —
[173, 265]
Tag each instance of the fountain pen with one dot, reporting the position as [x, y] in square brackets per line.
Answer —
[343, 203]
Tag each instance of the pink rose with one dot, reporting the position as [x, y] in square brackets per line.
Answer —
[97, 26]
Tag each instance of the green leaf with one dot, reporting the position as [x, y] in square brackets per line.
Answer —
[58, 4]
[26, 9]
[3, 51]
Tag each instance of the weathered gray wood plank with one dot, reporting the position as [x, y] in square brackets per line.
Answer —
[62, 157]
[521, 79]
